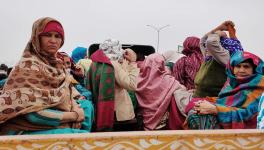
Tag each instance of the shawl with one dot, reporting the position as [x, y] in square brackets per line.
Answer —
[78, 53]
[185, 69]
[238, 101]
[261, 113]
[100, 80]
[154, 89]
[37, 81]
[231, 44]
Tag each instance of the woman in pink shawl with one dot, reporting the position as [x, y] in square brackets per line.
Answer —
[186, 67]
[155, 94]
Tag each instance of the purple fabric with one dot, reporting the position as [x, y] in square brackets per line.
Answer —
[230, 44]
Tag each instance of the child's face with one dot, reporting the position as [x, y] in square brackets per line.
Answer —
[67, 62]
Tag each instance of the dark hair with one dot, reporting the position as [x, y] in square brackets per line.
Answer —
[3, 67]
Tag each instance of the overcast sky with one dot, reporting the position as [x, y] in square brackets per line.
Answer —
[92, 21]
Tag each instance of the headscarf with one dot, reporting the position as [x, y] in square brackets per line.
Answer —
[54, 26]
[186, 67]
[154, 89]
[78, 53]
[112, 49]
[238, 101]
[37, 82]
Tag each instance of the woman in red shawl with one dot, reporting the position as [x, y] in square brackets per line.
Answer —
[185, 69]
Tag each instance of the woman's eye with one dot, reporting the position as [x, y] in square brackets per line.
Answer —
[46, 34]
[58, 36]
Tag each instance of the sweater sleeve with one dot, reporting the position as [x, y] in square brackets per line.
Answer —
[48, 117]
[213, 45]
[126, 74]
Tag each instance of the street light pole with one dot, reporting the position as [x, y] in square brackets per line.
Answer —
[158, 31]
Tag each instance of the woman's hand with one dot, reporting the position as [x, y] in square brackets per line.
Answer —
[79, 113]
[130, 55]
[222, 27]
[205, 107]
[221, 33]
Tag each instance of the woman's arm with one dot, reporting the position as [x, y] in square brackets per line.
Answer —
[213, 45]
[51, 117]
[126, 74]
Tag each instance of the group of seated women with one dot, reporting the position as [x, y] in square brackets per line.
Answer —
[214, 85]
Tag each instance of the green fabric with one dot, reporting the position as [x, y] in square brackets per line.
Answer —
[203, 122]
[56, 131]
[88, 109]
[210, 79]
[170, 65]
[36, 118]
[101, 82]
[133, 98]
[86, 124]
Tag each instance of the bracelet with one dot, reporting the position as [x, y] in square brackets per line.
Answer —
[76, 115]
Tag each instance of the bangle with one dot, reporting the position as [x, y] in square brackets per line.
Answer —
[76, 115]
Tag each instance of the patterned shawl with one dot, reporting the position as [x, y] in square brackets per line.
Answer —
[231, 44]
[100, 80]
[238, 101]
[37, 82]
[154, 89]
[186, 67]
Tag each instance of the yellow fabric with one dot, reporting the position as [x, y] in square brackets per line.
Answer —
[125, 77]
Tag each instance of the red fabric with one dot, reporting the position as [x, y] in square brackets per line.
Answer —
[185, 69]
[104, 108]
[54, 26]
[99, 56]
[249, 124]
[191, 104]
[176, 119]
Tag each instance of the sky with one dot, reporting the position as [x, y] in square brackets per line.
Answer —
[92, 21]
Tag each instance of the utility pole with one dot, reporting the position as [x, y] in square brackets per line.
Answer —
[158, 31]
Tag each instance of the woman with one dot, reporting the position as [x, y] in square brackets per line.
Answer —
[161, 98]
[237, 104]
[215, 59]
[40, 85]
[185, 69]
[113, 71]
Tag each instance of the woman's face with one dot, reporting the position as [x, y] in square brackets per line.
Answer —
[50, 42]
[243, 70]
